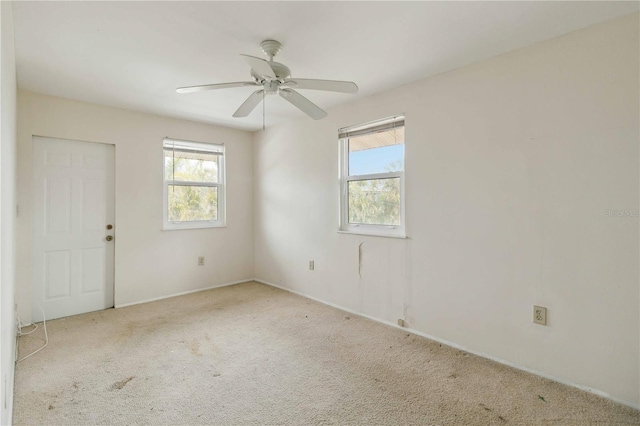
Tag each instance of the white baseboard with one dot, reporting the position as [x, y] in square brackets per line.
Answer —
[124, 305]
[457, 346]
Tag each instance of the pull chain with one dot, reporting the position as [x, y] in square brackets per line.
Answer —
[263, 107]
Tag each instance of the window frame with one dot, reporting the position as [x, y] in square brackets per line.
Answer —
[214, 148]
[379, 230]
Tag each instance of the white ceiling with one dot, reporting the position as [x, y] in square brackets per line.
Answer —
[135, 54]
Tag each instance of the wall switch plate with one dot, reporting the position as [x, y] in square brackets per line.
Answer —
[312, 265]
[540, 315]
[200, 260]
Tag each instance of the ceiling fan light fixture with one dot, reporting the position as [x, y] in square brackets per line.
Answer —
[271, 88]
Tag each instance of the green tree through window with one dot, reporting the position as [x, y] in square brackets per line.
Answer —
[193, 184]
[372, 171]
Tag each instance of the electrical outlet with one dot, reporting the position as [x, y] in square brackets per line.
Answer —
[312, 265]
[540, 315]
[200, 260]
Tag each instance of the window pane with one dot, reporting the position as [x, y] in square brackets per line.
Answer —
[377, 152]
[187, 203]
[190, 166]
[374, 202]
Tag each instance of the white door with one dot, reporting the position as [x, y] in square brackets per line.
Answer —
[73, 208]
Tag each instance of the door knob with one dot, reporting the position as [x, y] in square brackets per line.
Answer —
[109, 238]
[109, 226]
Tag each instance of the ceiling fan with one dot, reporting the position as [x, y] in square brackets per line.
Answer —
[275, 78]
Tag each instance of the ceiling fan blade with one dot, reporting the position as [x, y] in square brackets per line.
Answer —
[247, 106]
[327, 85]
[192, 89]
[302, 103]
[260, 66]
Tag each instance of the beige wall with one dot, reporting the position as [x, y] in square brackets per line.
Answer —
[511, 165]
[7, 210]
[149, 263]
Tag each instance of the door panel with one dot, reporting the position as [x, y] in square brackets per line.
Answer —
[92, 270]
[58, 205]
[73, 203]
[93, 209]
[57, 274]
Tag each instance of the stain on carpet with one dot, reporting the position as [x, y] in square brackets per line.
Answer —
[122, 383]
[195, 348]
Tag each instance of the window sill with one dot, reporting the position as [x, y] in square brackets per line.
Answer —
[374, 234]
[192, 226]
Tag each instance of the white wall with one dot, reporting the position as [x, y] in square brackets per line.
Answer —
[149, 263]
[511, 164]
[7, 210]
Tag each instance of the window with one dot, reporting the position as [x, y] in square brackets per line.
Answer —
[372, 178]
[194, 189]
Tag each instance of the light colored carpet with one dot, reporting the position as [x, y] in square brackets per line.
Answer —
[252, 354]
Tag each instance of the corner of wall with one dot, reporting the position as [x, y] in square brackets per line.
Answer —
[8, 89]
[255, 140]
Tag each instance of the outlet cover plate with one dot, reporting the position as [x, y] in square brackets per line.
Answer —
[540, 315]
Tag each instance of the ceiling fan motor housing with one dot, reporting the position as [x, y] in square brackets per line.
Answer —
[281, 71]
